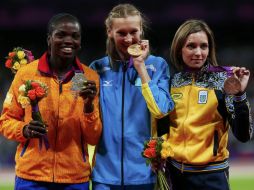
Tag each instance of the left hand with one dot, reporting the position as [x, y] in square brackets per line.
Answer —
[243, 75]
[88, 93]
[35, 129]
[89, 90]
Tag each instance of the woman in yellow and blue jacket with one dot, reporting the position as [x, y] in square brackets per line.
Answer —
[204, 113]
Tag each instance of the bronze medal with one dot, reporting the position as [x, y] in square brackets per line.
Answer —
[135, 50]
[232, 86]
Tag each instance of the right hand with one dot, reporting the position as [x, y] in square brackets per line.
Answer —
[145, 51]
[139, 62]
[243, 75]
[34, 129]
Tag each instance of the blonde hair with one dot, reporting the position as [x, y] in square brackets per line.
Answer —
[121, 11]
[181, 35]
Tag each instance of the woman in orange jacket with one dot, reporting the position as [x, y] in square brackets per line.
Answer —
[55, 156]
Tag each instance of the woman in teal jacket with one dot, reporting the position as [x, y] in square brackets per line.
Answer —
[134, 89]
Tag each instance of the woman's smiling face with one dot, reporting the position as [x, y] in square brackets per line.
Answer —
[195, 50]
[65, 40]
[125, 32]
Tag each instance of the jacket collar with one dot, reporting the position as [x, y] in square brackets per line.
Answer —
[43, 65]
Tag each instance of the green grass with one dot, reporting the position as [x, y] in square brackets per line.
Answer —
[240, 183]
[6, 187]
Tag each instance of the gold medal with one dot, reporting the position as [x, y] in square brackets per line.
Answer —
[232, 86]
[135, 50]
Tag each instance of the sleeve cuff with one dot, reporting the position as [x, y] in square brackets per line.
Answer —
[91, 117]
[19, 132]
[145, 85]
[240, 98]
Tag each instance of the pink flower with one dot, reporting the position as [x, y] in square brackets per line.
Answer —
[29, 56]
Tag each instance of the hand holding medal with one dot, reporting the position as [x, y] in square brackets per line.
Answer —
[86, 89]
[232, 85]
[142, 48]
[139, 53]
[82, 86]
[237, 83]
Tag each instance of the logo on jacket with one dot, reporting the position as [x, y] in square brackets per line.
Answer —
[151, 67]
[202, 96]
[177, 96]
[107, 83]
[138, 82]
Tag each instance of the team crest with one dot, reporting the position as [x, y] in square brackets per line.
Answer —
[202, 97]
[177, 96]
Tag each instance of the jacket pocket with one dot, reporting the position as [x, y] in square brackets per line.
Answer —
[83, 149]
[24, 148]
[216, 142]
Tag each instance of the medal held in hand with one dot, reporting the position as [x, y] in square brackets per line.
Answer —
[78, 82]
[232, 85]
[135, 50]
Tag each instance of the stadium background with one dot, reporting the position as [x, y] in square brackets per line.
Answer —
[23, 23]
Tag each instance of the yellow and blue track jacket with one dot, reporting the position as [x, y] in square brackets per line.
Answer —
[127, 107]
[200, 122]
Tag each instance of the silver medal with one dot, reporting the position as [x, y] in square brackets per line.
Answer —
[78, 81]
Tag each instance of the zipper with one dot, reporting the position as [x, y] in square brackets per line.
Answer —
[24, 148]
[122, 140]
[186, 116]
[60, 88]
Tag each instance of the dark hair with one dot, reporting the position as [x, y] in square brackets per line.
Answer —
[58, 18]
[188, 27]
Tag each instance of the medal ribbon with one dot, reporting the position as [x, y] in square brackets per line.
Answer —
[227, 69]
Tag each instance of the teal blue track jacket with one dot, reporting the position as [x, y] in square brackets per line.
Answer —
[127, 109]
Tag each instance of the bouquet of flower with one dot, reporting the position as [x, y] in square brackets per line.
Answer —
[18, 58]
[30, 93]
[156, 151]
